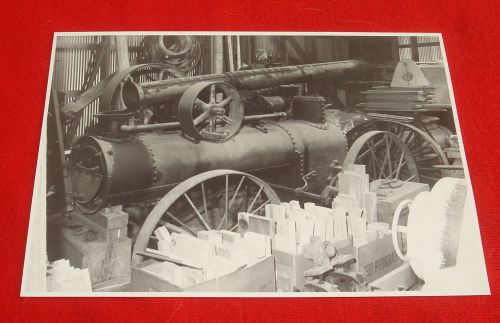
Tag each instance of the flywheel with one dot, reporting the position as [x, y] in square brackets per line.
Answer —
[211, 111]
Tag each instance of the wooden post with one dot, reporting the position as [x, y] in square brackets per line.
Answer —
[238, 53]
[283, 54]
[212, 54]
[122, 52]
[414, 49]
[395, 50]
[123, 63]
[106, 59]
[219, 54]
[230, 52]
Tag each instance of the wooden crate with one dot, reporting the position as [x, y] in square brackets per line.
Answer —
[388, 199]
[290, 270]
[376, 258]
[106, 260]
[290, 267]
[258, 277]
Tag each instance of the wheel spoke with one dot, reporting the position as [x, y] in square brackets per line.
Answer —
[255, 199]
[419, 150]
[426, 158]
[236, 192]
[411, 135]
[172, 227]
[224, 102]
[227, 198]
[400, 164]
[204, 199]
[364, 154]
[224, 218]
[205, 224]
[260, 207]
[212, 93]
[200, 104]
[202, 117]
[372, 151]
[226, 119]
[388, 148]
[382, 168]
[182, 224]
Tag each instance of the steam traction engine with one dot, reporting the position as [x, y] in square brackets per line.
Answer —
[214, 145]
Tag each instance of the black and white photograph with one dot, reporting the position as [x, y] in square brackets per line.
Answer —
[251, 164]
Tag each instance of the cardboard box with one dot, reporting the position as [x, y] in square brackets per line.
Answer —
[258, 277]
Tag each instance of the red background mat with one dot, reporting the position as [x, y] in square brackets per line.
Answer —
[471, 37]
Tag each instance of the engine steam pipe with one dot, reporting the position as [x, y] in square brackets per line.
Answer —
[176, 125]
[139, 94]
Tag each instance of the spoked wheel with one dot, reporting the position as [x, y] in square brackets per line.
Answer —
[384, 155]
[424, 149]
[211, 111]
[207, 201]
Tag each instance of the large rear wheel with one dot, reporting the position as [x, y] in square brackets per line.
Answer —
[385, 156]
[207, 201]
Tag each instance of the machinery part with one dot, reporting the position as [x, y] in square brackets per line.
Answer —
[175, 45]
[114, 88]
[177, 125]
[211, 111]
[108, 90]
[309, 108]
[434, 227]
[270, 103]
[164, 159]
[424, 149]
[181, 52]
[439, 133]
[345, 281]
[319, 286]
[335, 276]
[207, 201]
[110, 123]
[396, 228]
[320, 251]
[135, 95]
[170, 73]
[385, 156]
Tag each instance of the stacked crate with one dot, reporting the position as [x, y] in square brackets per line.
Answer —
[400, 99]
[209, 256]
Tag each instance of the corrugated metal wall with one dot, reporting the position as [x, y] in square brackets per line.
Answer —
[71, 65]
[425, 54]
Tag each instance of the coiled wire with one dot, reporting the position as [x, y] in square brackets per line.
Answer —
[179, 52]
